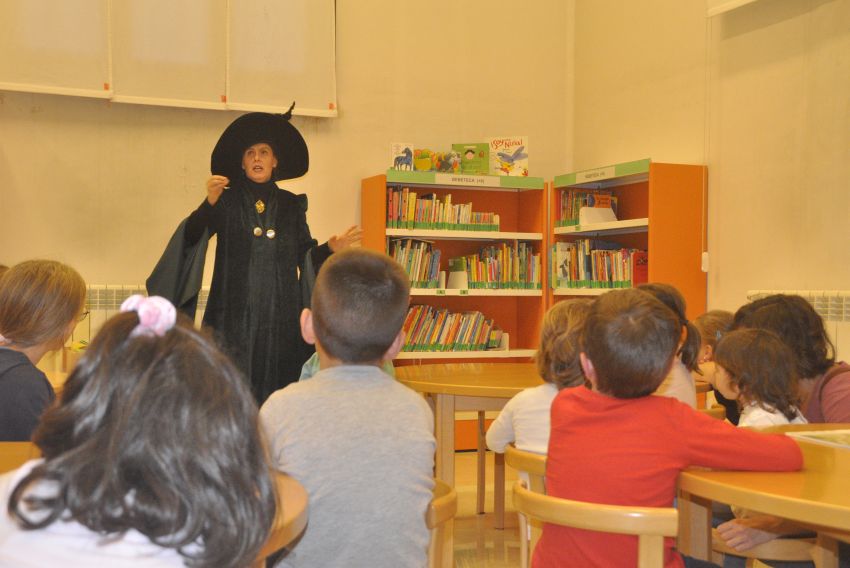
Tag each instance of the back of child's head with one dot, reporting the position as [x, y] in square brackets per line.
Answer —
[630, 338]
[560, 343]
[711, 325]
[761, 368]
[156, 431]
[673, 299]
[359, 304]
[797, 324]
[38, 300]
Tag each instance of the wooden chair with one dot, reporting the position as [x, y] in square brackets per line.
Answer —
[716, 411]
[534, 466]
[784, 549]
[498, 476]
[650, 524]
[438, 519]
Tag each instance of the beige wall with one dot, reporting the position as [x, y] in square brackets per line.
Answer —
[102, 186]
[760, 95]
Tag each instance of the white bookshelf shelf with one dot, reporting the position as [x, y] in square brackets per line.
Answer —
[492, 354]
[464, 235]
[611, 228]
[582, 291]
[507, 292]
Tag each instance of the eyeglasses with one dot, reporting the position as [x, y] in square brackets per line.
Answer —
[83, 315]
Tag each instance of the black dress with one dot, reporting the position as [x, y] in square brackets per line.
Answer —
[255, 296]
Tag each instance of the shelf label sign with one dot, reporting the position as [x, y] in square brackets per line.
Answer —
[460, 179]
[595, 175]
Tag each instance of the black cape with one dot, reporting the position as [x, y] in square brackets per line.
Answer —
[256, 295]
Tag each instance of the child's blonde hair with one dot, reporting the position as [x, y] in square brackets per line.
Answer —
[712, 324]
[761, 368]
[38, 299]
[560, 343]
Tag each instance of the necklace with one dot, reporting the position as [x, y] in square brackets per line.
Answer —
[260, 206]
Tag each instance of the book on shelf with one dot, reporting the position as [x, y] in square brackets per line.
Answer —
[593, 263]
[474, 157]
[458, 276]
[511, 265]
[572, 201]
[406, 209]
[401, 155]
[508, 155]
[430, 329]
[419, 260]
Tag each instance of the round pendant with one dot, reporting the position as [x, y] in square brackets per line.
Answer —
[270, 233]
[258, 232]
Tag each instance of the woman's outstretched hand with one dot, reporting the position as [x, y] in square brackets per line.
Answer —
[215, 186]
[351, 236]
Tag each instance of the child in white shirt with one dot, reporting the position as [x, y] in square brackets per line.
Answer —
[525, 418]
[757, 369]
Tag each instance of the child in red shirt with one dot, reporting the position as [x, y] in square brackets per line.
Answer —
[619, 445]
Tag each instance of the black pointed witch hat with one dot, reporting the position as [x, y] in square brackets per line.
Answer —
[289, 146]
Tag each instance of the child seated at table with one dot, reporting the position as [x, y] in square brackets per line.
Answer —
[711, 325]
[153, 457]
[679, 382]
[361, 443]
[755, 368]
[525, 418]
[40, 303]
[619, 445]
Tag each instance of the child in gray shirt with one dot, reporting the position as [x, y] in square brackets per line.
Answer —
[361, 443]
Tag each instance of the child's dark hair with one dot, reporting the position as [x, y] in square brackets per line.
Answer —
[711, 325]
[797, 324]
[761, 368]
[157, 434]
[359, 304]
[560, 343]
[631, 338]
[673, 299]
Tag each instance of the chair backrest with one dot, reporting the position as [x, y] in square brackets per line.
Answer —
[649, 524]
[438, 519]
[534, 466]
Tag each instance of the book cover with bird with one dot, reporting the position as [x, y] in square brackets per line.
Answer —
[509, 155]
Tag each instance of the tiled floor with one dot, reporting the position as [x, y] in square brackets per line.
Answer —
[477, 543]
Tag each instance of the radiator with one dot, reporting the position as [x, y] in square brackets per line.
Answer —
[104, 300]
[832, 305]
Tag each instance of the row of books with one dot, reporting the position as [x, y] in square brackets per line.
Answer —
[591, 263]
[513, 266]
[407, 210]
[570, 202]
[433, 329]
[419, 259]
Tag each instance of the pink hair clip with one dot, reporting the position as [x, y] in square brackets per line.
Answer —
[156, 314]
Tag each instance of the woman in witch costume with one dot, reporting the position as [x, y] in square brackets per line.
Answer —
[263, 245]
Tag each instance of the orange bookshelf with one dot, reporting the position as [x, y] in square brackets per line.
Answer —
[521, 206]
[661, 209]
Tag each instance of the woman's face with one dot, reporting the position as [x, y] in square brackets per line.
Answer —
[723, 383]
[259, 161]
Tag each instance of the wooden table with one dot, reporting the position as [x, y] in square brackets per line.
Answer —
[817, 497]
[478, 387]
[291, 515]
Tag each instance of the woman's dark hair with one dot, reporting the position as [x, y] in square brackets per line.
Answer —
[797, 324]
[761, 368]
[560, 343]
[674, 300]
[158, 435]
